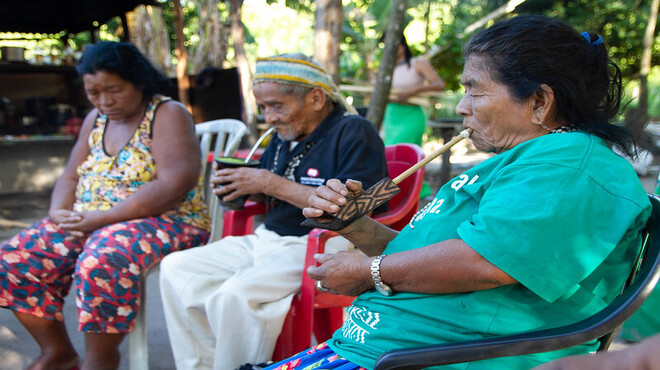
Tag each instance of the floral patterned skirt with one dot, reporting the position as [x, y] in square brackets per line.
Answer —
[39, 264]
[320, 357]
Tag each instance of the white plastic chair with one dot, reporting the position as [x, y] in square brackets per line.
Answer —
[228, 134]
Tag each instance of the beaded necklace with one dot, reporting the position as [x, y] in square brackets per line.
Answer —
[567, 128]
[293, 164]
[291, 167]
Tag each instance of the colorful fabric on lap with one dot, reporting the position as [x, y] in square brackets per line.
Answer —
[318, 358]
[40, 263]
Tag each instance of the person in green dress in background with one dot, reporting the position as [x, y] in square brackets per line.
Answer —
[405, 122]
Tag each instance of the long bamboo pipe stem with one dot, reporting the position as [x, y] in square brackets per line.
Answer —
[462, 135]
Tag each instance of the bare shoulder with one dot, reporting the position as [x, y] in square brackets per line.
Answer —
[170, 107]
[172, 113]
[421, 63]
[88, 123]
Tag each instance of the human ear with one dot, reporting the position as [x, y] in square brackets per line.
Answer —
[317, 98]
[543, 101]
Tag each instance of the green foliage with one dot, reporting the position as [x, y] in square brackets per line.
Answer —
[631, 91]
[622, 24]
[304, 6]
[277, 29]
[287, 25]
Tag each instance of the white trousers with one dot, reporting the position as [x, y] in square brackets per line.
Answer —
[225, 302]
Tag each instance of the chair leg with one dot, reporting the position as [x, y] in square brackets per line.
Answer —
[138, 340]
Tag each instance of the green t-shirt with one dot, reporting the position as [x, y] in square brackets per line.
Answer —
[561, 214]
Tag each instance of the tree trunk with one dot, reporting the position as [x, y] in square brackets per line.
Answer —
[647, 47]
[381, 92]
[199, 53]
[161, 39]
[219, 36]
[181, 53]
[329, 17]
[150, 36]
[238, 37]
[211, 49]
[427, 18]
[637, 118]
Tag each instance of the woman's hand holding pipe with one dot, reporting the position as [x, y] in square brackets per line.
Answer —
[330, 197]
[366, 234]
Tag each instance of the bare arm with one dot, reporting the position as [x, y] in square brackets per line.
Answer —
[63, 195]
[368, 235]
[434, 82]
[447, 267]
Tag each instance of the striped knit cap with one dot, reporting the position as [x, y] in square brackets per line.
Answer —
[297, 69]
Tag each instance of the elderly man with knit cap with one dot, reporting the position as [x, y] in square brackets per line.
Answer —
[225, 302]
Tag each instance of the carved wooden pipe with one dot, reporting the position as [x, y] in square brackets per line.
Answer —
[377, 194]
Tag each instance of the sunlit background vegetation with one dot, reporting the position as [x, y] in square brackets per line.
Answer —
[434, 28]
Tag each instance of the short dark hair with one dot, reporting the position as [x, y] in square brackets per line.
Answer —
[406, 49]
[125, 60]
[403, 42]
[529, 50]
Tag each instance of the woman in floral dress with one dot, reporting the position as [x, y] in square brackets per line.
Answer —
[130, 194]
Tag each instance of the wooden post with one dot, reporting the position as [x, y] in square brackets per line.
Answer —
[183, 81]
[379, 98]
[327, 36]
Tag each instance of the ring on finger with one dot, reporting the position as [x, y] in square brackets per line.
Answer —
[320, 287]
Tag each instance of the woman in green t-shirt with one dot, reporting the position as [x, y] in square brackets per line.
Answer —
[540, 235]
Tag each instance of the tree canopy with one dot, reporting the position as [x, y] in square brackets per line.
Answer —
[435, 28]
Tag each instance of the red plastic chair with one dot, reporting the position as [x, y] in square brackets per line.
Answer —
[313, 312]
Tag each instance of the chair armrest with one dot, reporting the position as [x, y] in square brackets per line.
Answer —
[239, 222]
[316, 244]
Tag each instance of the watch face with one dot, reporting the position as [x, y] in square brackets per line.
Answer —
[384, 289]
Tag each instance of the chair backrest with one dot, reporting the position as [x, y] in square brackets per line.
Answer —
[600, 325]
[404, 204]
[228, 134]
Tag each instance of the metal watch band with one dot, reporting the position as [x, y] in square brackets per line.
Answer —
[381, 287]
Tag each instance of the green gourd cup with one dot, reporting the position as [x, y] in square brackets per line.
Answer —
[232, 162]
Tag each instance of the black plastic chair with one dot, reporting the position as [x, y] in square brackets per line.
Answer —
[601, 325]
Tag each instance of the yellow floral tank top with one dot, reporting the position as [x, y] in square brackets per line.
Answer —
[104, 181]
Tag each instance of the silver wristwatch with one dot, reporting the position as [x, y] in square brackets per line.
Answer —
[381, 287]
